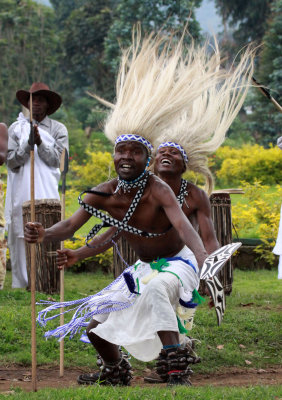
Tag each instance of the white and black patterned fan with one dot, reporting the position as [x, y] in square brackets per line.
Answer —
[215, 261]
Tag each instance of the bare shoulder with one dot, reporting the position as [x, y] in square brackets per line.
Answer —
[106, 187]
[196, 194]
[160, 190]
[97, 200]
[157, 185]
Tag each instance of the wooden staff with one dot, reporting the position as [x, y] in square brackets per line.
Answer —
[266, 93]
[64, 164]
[32, 252]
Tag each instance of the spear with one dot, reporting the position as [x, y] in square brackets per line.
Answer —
[64, 169]
[267, 94]
[32, 253]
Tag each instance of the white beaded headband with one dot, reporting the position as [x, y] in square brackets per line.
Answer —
[178, 147]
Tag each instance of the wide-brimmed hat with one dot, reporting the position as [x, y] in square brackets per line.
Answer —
[53, 98]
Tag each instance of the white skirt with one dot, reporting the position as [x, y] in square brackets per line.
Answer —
[136, 327]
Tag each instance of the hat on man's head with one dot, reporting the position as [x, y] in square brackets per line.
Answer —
[53, 98]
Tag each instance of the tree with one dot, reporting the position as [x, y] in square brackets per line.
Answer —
[153, 15]
[29, 49]
[266, 120]
[248, 18]
[92, 36]
[83, 41]
[63, 9]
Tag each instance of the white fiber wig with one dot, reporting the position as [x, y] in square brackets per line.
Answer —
[201, 128]
[158, 77]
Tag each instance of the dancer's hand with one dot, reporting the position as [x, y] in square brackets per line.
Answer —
[34, 232]
[66, 258]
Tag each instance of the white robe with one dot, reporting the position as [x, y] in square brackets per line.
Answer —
[46, 181]
[135, 328]
[278, 246]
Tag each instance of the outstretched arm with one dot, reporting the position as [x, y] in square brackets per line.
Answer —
[35, 233]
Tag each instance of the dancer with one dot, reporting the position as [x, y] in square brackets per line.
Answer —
[138, 310]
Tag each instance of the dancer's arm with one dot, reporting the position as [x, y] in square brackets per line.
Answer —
[166, 198]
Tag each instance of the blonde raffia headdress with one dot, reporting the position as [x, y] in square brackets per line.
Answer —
[158, 77]
[168, 91]
[201, 128]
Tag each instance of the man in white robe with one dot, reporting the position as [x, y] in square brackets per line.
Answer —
[278, 246]
[50, 137]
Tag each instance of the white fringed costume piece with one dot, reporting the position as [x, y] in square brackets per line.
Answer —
[154, 310]
[133, 320]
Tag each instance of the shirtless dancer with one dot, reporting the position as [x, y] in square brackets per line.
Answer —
[153, 310]
[170, 163]
[139, 311]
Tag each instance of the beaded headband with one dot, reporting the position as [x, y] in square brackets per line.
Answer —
[136, 138]
[178, 147]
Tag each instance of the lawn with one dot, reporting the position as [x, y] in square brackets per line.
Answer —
[252, 319]
[249, 337]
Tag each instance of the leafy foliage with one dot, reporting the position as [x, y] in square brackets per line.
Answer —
[262, 210]
[266, 120]
[249, 163]
[153, 15]
[248, 17]
[99, 168]
[29, 51]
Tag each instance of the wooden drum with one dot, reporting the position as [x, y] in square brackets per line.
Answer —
[221, 216]
[48, 213]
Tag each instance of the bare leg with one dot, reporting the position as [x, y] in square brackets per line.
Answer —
[108, 351]
[169, 337]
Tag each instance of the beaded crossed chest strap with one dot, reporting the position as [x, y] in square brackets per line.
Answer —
[182, 192]
[110, 221]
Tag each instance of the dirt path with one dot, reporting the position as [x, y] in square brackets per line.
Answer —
[17, 376]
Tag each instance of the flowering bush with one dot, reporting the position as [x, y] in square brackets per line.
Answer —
[262, 210]
[104, 259]
[99, 168]
[248, 163]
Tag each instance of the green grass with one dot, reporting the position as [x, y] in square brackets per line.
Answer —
[256, 326]
[251, 319]
[137, 393]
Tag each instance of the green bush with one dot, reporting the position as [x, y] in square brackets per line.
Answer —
[104, 260]
[248, 163]
[99, 168]
[262, 210]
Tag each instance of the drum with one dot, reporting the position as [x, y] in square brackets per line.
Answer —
[221, 216]
[48, 213]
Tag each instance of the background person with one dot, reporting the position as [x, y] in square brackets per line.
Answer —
[3, 246]
[50, 138]
[278, 247]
